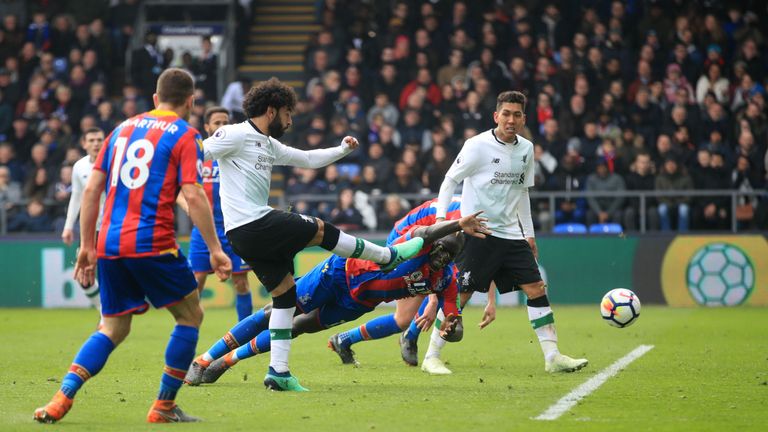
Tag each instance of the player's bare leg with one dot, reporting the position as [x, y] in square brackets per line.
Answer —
[201, 277]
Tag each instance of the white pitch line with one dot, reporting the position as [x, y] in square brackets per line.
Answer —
[568, 401]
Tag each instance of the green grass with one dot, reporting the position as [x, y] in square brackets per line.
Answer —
[708, 371]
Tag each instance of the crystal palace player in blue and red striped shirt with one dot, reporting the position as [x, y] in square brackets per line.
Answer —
[413, 313]
[340, 290]
[143, 165]
[138, 213]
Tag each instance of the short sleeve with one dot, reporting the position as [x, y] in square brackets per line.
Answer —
[189, 151]
[225, 141]
[466, 163]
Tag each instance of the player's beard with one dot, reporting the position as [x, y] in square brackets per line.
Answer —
[275, 128]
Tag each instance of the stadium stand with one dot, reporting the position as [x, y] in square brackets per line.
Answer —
[606, 81]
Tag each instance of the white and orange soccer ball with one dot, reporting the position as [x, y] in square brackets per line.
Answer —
[620, 307]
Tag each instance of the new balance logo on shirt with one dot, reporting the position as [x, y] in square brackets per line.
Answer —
[496, 160]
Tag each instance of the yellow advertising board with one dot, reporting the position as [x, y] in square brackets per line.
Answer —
[725, 270]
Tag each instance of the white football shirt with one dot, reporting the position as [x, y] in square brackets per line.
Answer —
[246, 157]
[81, 172]
[495, 176]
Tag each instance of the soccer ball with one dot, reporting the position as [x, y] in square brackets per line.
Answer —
[620, 307]
[720, 274]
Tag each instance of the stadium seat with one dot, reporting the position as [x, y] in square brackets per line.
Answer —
[570, 228]
[606, 228]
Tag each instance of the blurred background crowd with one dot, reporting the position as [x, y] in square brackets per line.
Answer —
[636, 95]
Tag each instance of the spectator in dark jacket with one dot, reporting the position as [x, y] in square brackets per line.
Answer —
[32, 219]
[641, 178]
[345, 215]
[604, 209]
[674, 178]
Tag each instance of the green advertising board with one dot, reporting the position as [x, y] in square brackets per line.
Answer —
[682, 270]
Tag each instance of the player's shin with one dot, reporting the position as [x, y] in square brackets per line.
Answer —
[280, 324]
[178, 357]
[244, 305]
[413, 331]
[88, 362]
[376, 328]
[243, 331]
[543, 323]
[258, 345]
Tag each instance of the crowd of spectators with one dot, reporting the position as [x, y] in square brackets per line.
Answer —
[638, 95]
[623, 95]
[63, 70]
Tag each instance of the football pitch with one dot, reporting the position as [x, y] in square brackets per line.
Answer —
[707, 370]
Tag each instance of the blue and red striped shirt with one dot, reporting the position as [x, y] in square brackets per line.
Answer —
[146, 159]
[211, 185]
[369, 286]
[424, 215]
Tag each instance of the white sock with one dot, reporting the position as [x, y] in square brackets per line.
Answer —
[280, 324]
[92, 293]
[436, 343]
[354, 247]
[543, 323]
[207, 357]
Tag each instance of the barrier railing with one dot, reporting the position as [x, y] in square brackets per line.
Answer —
[286, 201]
[553, 196]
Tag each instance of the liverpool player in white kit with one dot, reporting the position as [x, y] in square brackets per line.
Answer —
[497, 169]
[268, 239]
[91, 142]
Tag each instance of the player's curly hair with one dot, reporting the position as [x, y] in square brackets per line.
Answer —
[270, 93]
[511, 97]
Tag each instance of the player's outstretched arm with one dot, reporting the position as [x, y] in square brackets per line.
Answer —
[314, 158]
[202, 217]
[85, 268]
[472, 225]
